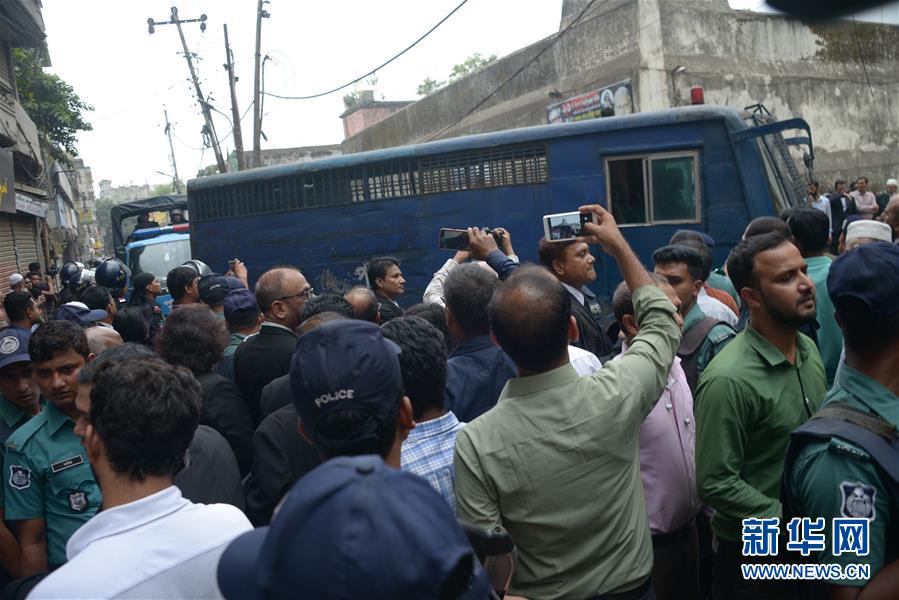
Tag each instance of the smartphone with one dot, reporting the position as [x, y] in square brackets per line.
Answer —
[564, 227]
[453, 239]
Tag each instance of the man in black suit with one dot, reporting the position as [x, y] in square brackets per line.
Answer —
[841, 206]
[282, 293]
[572, 264]
[387, 282]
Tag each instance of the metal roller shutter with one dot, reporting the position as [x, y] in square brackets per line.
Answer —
[25, 237]
[8, 264]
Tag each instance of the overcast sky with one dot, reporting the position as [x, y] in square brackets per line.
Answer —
[102, 48]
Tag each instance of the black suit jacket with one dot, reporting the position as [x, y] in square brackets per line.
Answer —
[275, 395]
[225, 410]
[209, 474]
[592, 335]
[389, 310]
[281, 457]
[258, 360]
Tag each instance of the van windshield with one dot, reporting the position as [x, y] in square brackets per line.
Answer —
[159, 259]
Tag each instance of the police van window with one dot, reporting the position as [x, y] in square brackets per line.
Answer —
[658, 188]
[159, 259]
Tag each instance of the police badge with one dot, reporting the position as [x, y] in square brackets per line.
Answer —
[858, 500]
[19, 477]
[78, 501]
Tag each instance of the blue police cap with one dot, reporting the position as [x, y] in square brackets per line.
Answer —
[870, 274]
[355, 528]
[214, 287]
[14, 346]
[80, 314]
[340, 365]
[239, 301]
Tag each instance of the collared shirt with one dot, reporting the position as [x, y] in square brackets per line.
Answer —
[667, 464]
[866, 203]
[575, 293]
[278, 325]
[583, 361]
[12, 417]
[47, 476]
[476, 372]
[556, 463]
[830, 337]
[748, 401]
[715, 308]
[233, 342]
[161, 546]
[823, 204]
[720, 281]
[428, 452]
[827, 473]
[105, 325]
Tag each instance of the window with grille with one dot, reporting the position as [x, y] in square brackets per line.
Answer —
[656, 188]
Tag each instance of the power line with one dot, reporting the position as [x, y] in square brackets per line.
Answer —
[496, 90]
[379, 67]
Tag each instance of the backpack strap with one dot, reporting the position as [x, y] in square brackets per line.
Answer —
[693, 339]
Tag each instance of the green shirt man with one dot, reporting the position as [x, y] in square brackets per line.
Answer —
[748, 401]
[47, 477]
[830, 338]
[835, 478]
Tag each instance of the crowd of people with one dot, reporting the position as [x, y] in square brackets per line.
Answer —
[276, 442]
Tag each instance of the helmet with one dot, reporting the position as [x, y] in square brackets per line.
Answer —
[69, 270]
[112, 273]
[199, 266]
[82, 280]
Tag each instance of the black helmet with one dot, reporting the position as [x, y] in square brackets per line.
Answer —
[199, 266]
[69, 270]
[82, 280]
[112, 273]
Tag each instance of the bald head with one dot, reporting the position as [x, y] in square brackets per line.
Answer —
[365, 304]
[530, 316]
[101, 338]
[279, 293]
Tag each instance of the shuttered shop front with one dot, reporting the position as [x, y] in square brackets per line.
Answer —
[25, 237]
[8, 264]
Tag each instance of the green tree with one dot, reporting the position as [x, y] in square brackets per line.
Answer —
[166, 189]
[53, 105]
[429, 85]
[473, 63]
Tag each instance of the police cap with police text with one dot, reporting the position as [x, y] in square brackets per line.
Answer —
[869, 274]
[344, 364]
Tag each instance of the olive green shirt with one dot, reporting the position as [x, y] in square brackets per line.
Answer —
[719, 336]
[747, 402]
[46, 476]
[556, 462]
[826, 474]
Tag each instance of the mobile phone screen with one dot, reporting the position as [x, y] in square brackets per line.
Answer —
[565, 226]
[453, 239]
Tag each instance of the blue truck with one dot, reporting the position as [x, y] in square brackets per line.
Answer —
[155, 249]
[702, 167]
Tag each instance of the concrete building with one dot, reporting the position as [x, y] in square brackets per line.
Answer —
[23, 178]
[124, 193]
[642, 55]
[270, 157]
[86, 207]
[366, 111]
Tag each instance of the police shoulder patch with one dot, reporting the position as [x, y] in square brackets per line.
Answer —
[19, 477]
[858, 500]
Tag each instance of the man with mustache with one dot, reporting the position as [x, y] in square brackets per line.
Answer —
[49, 488]
[765, 383]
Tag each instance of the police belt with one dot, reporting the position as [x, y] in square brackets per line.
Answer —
[662, 540]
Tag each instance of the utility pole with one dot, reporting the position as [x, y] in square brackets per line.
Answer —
[235, 113]
[204, 105]
[176, 183]
[261, 13]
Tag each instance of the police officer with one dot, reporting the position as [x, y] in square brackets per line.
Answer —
[49, 487]
[838, 464]
[113, 274]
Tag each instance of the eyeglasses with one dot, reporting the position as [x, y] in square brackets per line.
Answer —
[305, 295]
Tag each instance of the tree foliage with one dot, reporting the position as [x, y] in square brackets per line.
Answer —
[470, 65]
[53, 105]
[166, 189]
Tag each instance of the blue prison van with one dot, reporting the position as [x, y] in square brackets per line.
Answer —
[701, 167]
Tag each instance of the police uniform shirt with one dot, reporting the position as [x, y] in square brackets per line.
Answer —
[47, 476]
[835, 478]
[11, 419]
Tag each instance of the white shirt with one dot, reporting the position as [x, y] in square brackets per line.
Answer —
[712, 307]
[161, 546]
[583, 361]
[823, 204]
